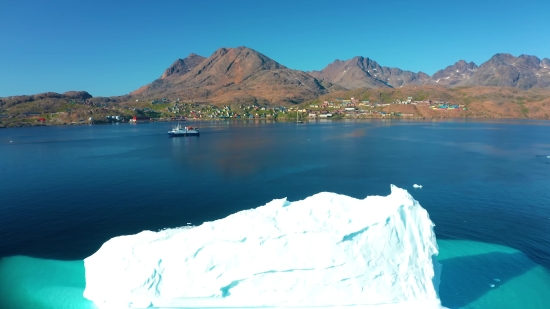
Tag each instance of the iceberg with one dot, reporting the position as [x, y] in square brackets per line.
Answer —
[327, 250]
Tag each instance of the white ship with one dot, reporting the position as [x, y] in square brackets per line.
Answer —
[183, 131]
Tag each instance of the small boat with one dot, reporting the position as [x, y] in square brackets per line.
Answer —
[183, 131]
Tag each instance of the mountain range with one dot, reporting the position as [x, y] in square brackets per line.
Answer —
[234, 75]
[360, 72]
[244, 75]
[504, 70]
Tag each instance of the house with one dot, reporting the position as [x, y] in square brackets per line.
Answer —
[140, 119]
[31, 114]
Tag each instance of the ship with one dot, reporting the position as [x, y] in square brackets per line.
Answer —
[183, 131]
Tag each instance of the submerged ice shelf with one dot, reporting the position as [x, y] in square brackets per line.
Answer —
[325, 250]
[469, 267]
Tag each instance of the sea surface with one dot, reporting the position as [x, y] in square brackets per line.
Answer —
[66, 190]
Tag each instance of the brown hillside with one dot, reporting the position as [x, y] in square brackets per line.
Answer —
[487, 102]
[236, 75]
[180, 67]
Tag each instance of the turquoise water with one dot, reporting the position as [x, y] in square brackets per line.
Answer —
[475, 275]
[27, 282]
[482, 275]
[64, 191]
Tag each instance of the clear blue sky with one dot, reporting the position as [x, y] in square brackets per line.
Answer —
[114, 47]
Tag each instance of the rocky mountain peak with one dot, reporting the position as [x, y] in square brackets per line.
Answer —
[237, 75]
[183, 66]
[505, 70]
[501, 58]
[455, 73]
[361, 72]
[529, 61]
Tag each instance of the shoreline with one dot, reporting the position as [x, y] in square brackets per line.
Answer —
[29, 124]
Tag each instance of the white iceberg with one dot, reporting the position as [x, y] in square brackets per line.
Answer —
[326, 250]
[417, 186]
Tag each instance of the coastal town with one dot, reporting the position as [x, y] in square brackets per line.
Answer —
[337, 109]
[357, 108]
[86, 111]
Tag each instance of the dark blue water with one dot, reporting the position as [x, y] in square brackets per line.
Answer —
[66, 190]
